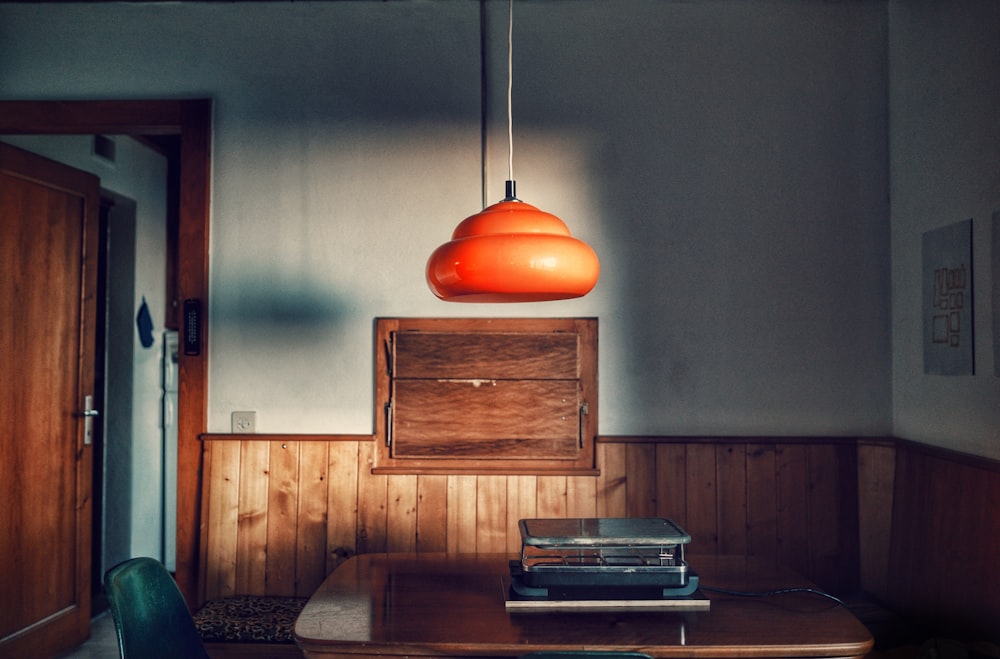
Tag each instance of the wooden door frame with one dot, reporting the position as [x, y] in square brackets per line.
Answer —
[190, 120]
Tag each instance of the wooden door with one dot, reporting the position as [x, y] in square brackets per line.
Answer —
[48, 278]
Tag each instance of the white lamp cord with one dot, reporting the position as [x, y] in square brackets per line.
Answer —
[510, 87]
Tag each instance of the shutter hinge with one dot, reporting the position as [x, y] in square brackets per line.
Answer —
[388, 424]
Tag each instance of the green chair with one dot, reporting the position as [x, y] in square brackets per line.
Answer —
[152, 620]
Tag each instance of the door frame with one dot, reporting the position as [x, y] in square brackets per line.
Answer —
[190, 120]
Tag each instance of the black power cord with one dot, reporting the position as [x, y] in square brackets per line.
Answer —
[769, 593]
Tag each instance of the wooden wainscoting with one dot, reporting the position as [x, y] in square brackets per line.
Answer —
[931, 521]
[792, 498]
[277, 515]
[280, 512]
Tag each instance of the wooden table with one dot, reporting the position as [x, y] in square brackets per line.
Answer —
[439, 605]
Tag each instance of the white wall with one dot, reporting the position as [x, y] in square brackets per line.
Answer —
[139, 174]
[945, 145]
[726, 160]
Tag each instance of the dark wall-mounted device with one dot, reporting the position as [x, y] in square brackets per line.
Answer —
[192, 327]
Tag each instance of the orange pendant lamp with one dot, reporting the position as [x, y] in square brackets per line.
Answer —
[512, 251]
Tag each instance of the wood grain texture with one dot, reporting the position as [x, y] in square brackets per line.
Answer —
[341, 502]
[401, 513]
[311, 517]
[876, 478]
[493, 356]
[793, 507]
[486, 396]
[491, 513]
[521, 504]
[251, 541]
[373, 492]
[472, 419]
[819, 507]
[550, 496]
[783, 500]
[432, 513]
[48, 300]
[945, 540]
[282, 517]
[438, 605]
[702, 498]
[462, 491]
[611, 494]
[581, 497]
[671, 482]
[640, 480]
[731, 477]
[762, 500]
[222, 508]
[190, 120]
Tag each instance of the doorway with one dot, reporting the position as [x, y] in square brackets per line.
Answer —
[189, 123]
[49, 282]
[128, 499]
[113, 447]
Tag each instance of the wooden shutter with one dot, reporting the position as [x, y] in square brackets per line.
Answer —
[487, 395]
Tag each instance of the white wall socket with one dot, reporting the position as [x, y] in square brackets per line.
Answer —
[244, 423]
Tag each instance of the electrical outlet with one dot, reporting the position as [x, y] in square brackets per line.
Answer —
[244, 423]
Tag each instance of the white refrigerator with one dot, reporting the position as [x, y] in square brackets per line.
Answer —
[170, 365]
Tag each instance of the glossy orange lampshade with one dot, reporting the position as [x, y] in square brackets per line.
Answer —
[512, 252]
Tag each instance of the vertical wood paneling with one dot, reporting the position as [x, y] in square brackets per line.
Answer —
[551, 497]
[846, 576]
[832, 524]
[223, 510]
[671, 482]
[942, 486]
[401, 513]
[945, 541]
[640, 480]
[611, 482]
[206, 561]
[581, 497]
[762, 500]
[793, 507]
[281, 515]
[731, 470]
[462, 514]
[341, 502]
[976, 558]
[310, 535]
[955, 591]
[701, 499]
[251, 549]
[521, 496]
[372, 497]
[432, 513]
[823, 507]
[876, 476]
[282, 509]
[913, 482]
[491, 514]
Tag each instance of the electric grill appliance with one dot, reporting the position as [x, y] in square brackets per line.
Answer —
[606, 562]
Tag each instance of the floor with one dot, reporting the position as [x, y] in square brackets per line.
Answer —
[102, 643]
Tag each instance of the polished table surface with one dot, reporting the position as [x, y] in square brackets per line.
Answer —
[454, 605]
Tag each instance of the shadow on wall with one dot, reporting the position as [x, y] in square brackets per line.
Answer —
[295, 308]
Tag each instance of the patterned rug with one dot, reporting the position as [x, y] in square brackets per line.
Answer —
[249, 619]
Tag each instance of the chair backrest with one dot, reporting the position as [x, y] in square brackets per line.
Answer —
[152, 620]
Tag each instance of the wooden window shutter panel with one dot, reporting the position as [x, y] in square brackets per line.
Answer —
[487, 396]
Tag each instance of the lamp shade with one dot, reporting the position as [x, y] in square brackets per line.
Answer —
[512, 252]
